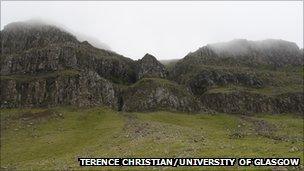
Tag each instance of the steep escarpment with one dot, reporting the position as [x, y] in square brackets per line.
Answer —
[247, 102]
[34, 48]
[275, 53]
[200, 82]
[20, 36]
[67, 87]
[252, 68]
[42, 65]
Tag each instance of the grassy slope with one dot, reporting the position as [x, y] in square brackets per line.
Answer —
[54, 138]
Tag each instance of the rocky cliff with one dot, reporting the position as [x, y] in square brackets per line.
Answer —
[42, 66]
[149, 66]
[21, 36]
[275, 53]
[247, 102]
[37, 48]
[68, 87]
[267, 76]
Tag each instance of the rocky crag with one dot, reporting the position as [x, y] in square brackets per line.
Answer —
[245, 76]
[149, 66]
[42, 66]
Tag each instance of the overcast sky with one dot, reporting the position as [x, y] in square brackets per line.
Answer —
[169, 29]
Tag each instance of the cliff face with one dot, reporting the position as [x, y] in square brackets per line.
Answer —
[42, 66]
[149, 66]
[69, 55]
[67, 87]
[200, 83]
[276, 53]
[34, 48]
[245, 102]
[20, 36]
[266, 76]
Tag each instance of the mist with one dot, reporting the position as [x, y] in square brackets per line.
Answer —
[243, 47]
[167, 30]
[37, 22]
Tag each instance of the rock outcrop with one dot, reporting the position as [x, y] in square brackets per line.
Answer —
[149, 66]
[200, 83]
[21, 36]
[158, 94]
[276, 53]
[42, 65]
[269, 64]
[59, 51]
[246, 102]
[84, 88]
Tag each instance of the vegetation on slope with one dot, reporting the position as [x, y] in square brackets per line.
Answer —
[54, 138]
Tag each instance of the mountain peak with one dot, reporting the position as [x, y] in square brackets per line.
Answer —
[273, 52]
[25, 25]
[244, 44]
[149, 66]
[20, 36]
[32, 25]
[149, 57]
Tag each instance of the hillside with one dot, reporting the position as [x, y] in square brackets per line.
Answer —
[45, 66]
[62, 99]
[245, 76]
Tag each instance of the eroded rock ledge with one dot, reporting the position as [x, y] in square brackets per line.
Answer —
[43, 66]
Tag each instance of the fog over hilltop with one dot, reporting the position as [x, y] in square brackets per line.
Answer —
[168, 30]
[46, 25]
[43, 65]
[242, 47]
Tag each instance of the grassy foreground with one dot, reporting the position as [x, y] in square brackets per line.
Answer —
[36, 139]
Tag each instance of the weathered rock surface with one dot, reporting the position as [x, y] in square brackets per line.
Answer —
[42, 65]
[206, 78]
[269, 64]
[35, 49]
[245, 102]
[149, 66]
[158, 94]
[85, 88]
[20, 36]
[272, 52]
[70, 56]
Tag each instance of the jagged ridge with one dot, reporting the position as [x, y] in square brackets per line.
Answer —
[42, 65]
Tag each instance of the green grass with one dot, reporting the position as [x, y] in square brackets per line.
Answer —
[54, 138]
